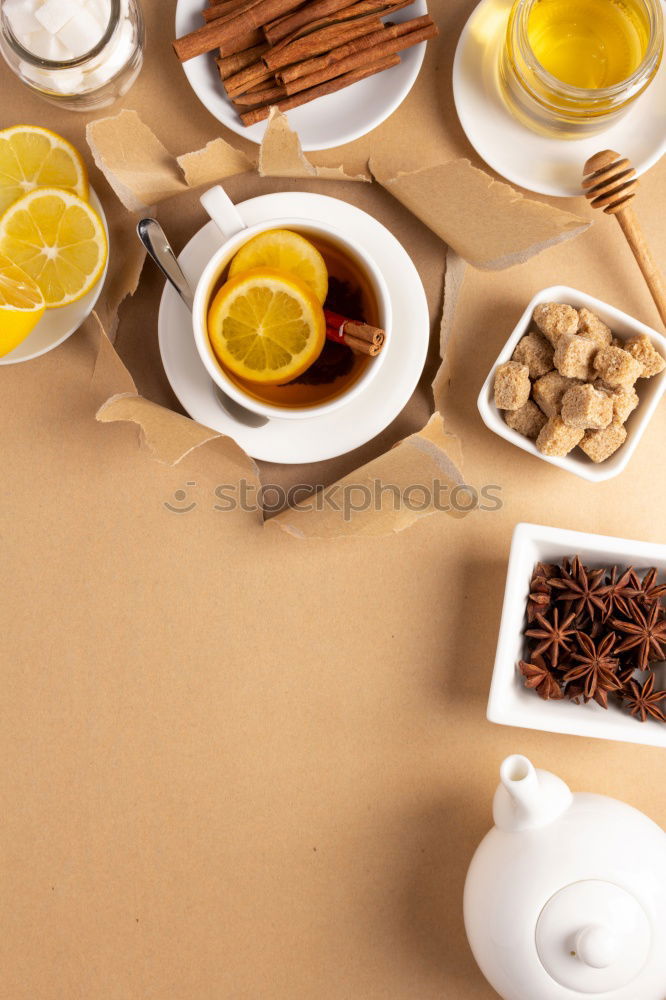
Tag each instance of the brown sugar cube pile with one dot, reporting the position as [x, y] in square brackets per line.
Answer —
[585, 407]
[555, 320]
[549, 390]
[535, 352]
[528, 420]
[591, 328]
[512, 386]
[573, 356]
[641, 350]
[556, 438]
[600, 445]
[572, 383]
[617, 367]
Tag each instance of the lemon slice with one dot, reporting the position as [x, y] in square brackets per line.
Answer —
[266, 326]
[59, 240]
[284, 251]
[21, 305]
[32, 157]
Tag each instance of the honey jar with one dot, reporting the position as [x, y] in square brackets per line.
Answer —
[573, 67]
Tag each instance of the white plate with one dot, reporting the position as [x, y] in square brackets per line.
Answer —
[510, 702]
[56, 325]
[650, 390]
[317, 438]
[327, 122]
[537, 162]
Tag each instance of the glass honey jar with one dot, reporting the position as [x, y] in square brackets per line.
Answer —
[573, 67]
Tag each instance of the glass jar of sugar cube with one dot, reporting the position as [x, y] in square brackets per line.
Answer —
[79, 54]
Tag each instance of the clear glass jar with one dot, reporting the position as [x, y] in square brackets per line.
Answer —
[94, 79]
[547, 104]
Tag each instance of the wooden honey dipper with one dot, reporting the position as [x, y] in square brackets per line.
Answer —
[609, 182]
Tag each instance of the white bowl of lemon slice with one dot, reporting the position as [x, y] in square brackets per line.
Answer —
[53, 242]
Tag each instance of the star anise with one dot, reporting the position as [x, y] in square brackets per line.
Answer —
[646, 634]
[554, 635]
[581, 586]
[540, 598]
[647, 591]
[618, 592]
[643, 701]
[595, 668]
[537, 675]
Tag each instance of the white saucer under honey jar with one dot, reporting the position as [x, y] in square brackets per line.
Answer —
[536, 128]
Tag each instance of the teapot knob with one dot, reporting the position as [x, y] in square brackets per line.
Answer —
[597, 946]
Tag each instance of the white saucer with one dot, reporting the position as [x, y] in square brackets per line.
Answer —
[56, 325]
[316, 438]
[327, 122]
[539, 163]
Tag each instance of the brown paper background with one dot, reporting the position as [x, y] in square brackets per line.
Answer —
[238, 764]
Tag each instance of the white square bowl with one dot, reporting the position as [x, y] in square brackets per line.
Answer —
[510, 702]
[649, 390]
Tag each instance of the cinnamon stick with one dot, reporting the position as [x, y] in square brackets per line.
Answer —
[220, 10]
[228, 65]
[292, 26]
[321, 41]
[362, 346]
[283, 26]
[391, 39]
[343, 330]
[252, 98]
[242, 81]
[330, 87]
[222, 31]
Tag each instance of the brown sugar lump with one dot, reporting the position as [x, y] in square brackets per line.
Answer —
[555, 320]
[592, 328]
[641, 350]
[617, 367]
[625, 402]
[512, 386]
[528, 420]
[549, 390]
[585, 407]
[600, 445]
[536, 352]
[557, 439]
[573, 356]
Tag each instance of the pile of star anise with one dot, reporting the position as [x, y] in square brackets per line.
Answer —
[595, 633]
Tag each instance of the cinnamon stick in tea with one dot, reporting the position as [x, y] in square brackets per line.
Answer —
[330, 87]
[361, 337]
[228, 65]
[351, 55]
[363, 347]
[321, 41]
[223, 31]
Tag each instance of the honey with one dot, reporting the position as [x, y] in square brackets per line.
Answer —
[571, 68]
[589, 43]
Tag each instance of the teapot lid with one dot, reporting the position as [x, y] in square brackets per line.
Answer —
[593, 937]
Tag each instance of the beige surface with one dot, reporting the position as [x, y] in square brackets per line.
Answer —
[236, 764]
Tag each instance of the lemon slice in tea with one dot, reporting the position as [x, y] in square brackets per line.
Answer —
[284, 250]
[266, 326]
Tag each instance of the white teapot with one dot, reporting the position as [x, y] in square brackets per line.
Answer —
[565, 898]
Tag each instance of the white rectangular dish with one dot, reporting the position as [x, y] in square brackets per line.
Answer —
[649, 390]
[512, 704]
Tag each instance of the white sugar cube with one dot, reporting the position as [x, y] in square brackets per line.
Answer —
[120, 52]
[48, 46]
[54, 14]
[66, 81]
[100, 10]
[21, 19]
[81, 33]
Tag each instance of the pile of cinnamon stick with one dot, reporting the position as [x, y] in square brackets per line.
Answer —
[288, 53]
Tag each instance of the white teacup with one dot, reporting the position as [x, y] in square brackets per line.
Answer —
[226, 217]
